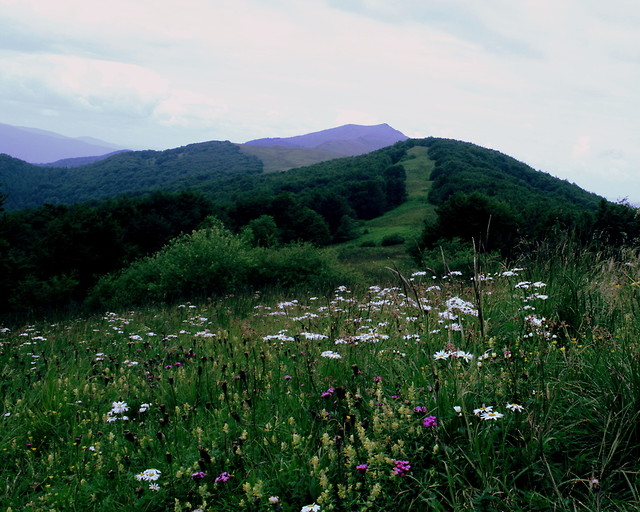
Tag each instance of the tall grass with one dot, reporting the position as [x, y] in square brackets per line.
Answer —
[516, 389]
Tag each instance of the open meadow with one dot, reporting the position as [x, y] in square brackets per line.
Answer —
[514, 389]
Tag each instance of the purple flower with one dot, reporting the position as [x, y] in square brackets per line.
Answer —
[223, 477]
[377, 379]
[199, 475]
[178, 364]
[362, 468]
[327, 393]
[168, 366]
[401, 467]
[430, 421]
[420, 409]
[287, 377]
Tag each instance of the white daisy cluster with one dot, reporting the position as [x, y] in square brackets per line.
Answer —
[371, 336]
[487, 412]
[150, 475]
[331, 355]
[120, 407]
[117, 411]
[455, 354]
[313, 336]
[281, 336]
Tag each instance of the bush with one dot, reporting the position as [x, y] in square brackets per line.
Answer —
[298, 266]
[213, 262]
[394, 239]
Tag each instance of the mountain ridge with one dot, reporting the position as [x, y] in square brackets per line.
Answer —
[345, 140]
[37, 146]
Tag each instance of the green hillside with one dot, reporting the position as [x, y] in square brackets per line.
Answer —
[282, 158]
[419, 203]
[130, 173]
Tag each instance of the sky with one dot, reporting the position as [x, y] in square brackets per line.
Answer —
[552, 83]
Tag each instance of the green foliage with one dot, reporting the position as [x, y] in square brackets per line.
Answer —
[497, 203]
[346, 230]
[394, 239]
[263, 231]
[361, 187]
[395, 178]
[490, 223]
[482, 196]
[465, 167]
[213, 262]
[129, 173]
[51, 256]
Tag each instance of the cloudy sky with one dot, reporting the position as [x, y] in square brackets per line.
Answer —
[553, 83]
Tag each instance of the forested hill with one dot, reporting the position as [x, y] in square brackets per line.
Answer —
[463, 167]
[130, 173]
[55, 254]
[497, 201]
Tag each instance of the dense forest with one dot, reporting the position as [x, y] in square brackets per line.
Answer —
[130, 173]
[53, 254]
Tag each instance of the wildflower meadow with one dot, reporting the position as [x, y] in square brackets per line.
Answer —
[515, 389]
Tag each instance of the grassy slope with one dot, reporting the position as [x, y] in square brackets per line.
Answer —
[406, 220]
[282, 158]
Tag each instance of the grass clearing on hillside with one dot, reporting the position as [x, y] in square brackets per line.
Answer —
[401, 222]
[436, 394]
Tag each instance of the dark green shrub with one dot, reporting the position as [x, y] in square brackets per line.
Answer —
[213, 262]
[298, 266]
[390, 240]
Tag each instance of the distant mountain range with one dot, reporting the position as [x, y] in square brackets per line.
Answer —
[40, 146]
[43, 147]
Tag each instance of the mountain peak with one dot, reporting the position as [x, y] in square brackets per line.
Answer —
[346, 140]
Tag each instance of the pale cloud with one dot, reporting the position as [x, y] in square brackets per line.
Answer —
[582, 147]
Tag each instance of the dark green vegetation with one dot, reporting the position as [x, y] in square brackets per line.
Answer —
[435, 199]
[130, 173]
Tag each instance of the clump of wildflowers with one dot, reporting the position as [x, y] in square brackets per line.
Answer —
[329, 392]
[430, 421]
[149, 475]
[117, 408]
[362, 468]
[223, 477]
[491, 415]
[401, 467]
[331, 355]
